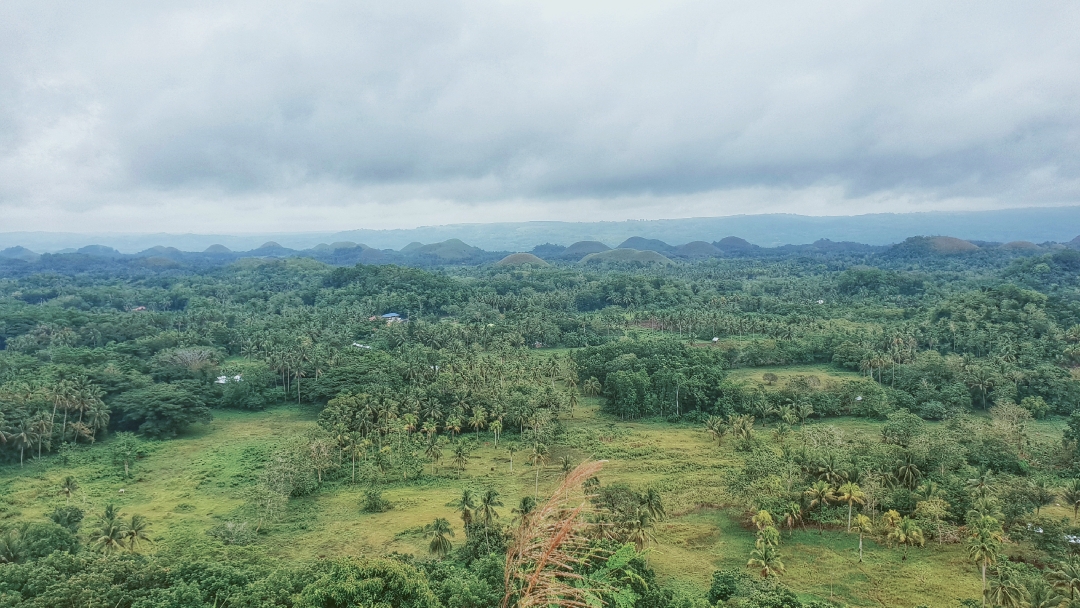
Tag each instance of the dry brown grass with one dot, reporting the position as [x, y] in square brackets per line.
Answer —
[549, 545]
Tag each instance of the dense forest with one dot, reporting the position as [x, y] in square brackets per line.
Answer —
[685, 432]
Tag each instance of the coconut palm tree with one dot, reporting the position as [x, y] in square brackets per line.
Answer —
[1007, 590]
[831, 469]
[792, 515]
[461, 455]
[981, 486]
[1042, 595]
[538, 457]
[907, 533]
[907, 472]
[742, 428]
[851, 494]
[23, 437]
[781, 432]
[138, 530]
[439, 530]
[1071, 495]
[591, 387]
[765, 558]
[478, 420]
[654, 504]
[1067, 577]
[984, 545]
[1040, 493]
[111, 532]
[525, 506]
[433, 453]
[566, 464]
[488, 502]
[818, 495]
[639, 529]
[68, 487]
[466, 504]
[430, 428]
[716, 427]
[861, 525]
[453, 425]
[496, 427]
[511, 448]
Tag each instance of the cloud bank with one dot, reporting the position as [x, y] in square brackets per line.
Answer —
[240, 116]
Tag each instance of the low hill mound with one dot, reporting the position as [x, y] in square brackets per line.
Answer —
[19, 252]
[517, 259]
[733, 243]
[413, 246]
[931, 245]
[346, 245]
[950, 244]
[156, 261]
[1021, 245]
[626, 255]
[160, 251]
[217, 249]
[451, 250]
[581, 249]
[644, 244]
[697, 249]
[100, 250]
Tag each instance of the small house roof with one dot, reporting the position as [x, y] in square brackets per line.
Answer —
[390, 315]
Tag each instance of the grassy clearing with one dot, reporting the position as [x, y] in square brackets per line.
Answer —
[188, 485]
[823, 372]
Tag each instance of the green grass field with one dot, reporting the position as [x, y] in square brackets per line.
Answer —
[190, 484]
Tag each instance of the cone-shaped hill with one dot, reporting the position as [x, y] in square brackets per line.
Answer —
[581, 249]
[644, 244]
[697, 249]
[518, 259]
[626, 255]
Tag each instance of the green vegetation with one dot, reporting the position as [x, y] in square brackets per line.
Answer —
[782, 432]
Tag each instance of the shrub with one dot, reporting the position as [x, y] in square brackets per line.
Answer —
[374, 502]
[233, 533]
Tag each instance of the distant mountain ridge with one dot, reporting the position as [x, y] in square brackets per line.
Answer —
[1037, 225]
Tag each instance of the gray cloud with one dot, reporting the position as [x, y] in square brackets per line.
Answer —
[327, 112]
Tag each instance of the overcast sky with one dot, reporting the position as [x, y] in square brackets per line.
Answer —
[231, 116]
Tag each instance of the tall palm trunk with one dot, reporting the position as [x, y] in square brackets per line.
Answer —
[984, 583]
[860, 547]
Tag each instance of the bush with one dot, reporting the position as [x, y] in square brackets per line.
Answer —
[727, 584]
[374, 502]
[233, 533]
[68, 517]
[31, 541]
[932, 410]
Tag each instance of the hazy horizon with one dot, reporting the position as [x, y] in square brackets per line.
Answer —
[1039, 225]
